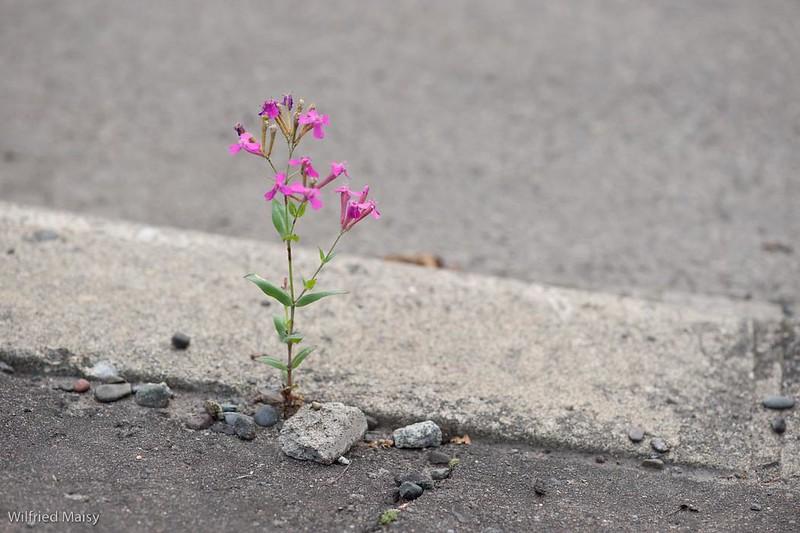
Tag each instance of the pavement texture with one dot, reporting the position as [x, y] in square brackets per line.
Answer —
[138, 469]
[496, 358]
[615, 145]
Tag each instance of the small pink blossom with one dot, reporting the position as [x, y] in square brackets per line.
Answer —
[280, 185]
[305, 166]
[246, 142]
[337, 169]
[309, 194]
[355, 211]
[312, 118]
[288, 101]
[270, 109]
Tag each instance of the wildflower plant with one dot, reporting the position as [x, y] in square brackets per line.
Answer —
[294, 188]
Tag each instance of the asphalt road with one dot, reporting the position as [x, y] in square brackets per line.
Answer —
[618, 145]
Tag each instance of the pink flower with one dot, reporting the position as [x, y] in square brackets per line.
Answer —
[309, 194]
[314, 119]
[305, 166]
[247, 142]
[270, 108]
[280, 185]
[355, 211]
[337, 169]
[288, 101]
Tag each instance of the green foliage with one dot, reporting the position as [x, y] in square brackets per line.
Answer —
[271, 361]
[312, 297]
[301, 355]
[388, 516]
[309, 283]
[280, 325]
[270, 290]
[279, 218]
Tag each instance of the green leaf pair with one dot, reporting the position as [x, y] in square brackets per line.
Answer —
[270, 290]
[296, 360]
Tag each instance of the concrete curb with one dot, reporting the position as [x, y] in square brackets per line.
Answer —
[496, 357]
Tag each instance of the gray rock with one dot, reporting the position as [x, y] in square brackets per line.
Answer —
[636, 434]
[222, 427]
[105, 372]
[438, 458]
[153, 395]
[243, 426]
[420, 435]
[267, 416]
[409, 491]
[111, 392]
[541, 487]
[229, 408]
[4, 367]
[180, 341]
[779, 425]
[755, 507]
[423, 479]
[199, 421]
[655, 464]
[659, 445]
[439, 474]
[778, 402]
[322, 435]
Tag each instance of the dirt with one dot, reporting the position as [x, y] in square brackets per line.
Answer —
[140, 469]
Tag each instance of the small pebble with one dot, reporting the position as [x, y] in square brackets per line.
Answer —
[200, 421]
[438, 474]
[755, 507]
[155, 395]
[229, 408]
[600, 459]
[243, 426]
[43, 235]
[81, 386]
[180, 341]
[655, 464]
[111, 392]
[409, 491]
[266, 416]
[343, 460]
[438, 458]
[5, 367]
[659, 445]
[778, 402]
[636, 434]
[779, 425]
[316, 406]
[213, 408]
[541, 487]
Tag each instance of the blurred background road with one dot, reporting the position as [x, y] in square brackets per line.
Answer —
[616, 145]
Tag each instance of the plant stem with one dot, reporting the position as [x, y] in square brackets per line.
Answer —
[288, 389]
[321, 264]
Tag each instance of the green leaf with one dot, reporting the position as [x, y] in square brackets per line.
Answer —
[314, 296]
[292, 209]
[271, 361]
[302, 209]
[292, 237]
[279, 217]
[280, 325]
[270, 290]
[293, 338]
[301, 355]
[321, 256]
[309, 283]
[329, 257]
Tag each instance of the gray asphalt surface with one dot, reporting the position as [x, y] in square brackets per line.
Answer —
[621, 145]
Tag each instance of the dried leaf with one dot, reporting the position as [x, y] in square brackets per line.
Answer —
[461, 440]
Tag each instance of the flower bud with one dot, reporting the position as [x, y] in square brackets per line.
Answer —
[239, 128]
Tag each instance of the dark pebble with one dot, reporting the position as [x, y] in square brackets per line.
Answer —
[438, 474]
[244, 426]
[409, 491]
[423, 479]
[438, 458]
[180, 341]
[153, 395]
[229, 408]
[778, 402]
[779, 425]
[81, 386]
[266, 416]
[655, 464]
[200, 421]
[5, 367]
[111, 392]
[541, 487]
[600, 459]
[659, 445]
[636, 434]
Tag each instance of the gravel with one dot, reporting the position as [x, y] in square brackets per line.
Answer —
[153, 395]
[778, 402]
[436, 457]
[180, 341]
[418, 477]
[410, 491]
[438, 474]
[636, 434]
[267, 416]
[199, 421]
[779, 425]
[111, 392]
[654, 464]
[659, 445]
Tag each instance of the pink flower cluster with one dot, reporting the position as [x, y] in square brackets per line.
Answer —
[355, 206]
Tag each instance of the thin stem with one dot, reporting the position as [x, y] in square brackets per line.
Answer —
[322, 263]
[287, 394]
